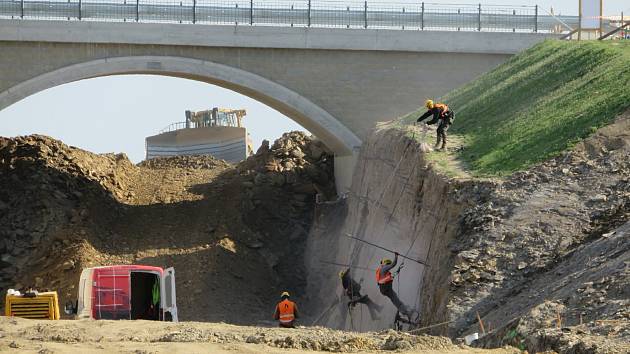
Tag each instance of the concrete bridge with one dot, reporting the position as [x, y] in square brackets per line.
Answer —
[334, 82]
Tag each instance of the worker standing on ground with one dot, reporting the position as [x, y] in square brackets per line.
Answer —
[286, 311]
[385, 279]
[441, 115]
[353, 291]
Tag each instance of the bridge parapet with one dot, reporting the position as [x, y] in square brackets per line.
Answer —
[298, 13]
[335, 82]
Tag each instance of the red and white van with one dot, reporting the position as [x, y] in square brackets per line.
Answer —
[127, 292]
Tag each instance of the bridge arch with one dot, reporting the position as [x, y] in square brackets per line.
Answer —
[318, 121]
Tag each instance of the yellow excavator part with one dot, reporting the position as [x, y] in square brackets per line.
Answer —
[43, 306]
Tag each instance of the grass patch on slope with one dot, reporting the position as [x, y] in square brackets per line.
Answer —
[539, 103]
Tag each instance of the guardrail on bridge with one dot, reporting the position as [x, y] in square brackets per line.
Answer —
[298, 13]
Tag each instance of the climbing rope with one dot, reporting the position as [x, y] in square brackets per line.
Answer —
[337, 300]
[351, 321]
[416, 330]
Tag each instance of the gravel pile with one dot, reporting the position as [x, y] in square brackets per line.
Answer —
[186, 162]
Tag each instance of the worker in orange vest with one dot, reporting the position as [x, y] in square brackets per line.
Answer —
[385, 280]
[443, 116]
[286, 311]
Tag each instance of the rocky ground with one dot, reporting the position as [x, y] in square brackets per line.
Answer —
[543, 257]
[233, 233]
[19, 335]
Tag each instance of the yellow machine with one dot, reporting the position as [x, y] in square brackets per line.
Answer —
[43, 306]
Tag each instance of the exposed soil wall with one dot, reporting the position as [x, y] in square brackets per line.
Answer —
[524, 253]
[396, 201]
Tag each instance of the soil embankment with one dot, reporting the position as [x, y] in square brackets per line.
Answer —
[541, 256]
[545, 245]
[234, 234]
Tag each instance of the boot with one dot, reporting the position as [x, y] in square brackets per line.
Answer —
[437, 144]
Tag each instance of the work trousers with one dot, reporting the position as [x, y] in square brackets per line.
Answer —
[357, 298]
[441, 133]
[388, 290]
[287, 325]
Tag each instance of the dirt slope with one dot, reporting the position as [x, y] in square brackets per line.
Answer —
[522, 251]
[550, 243]
[233, 233]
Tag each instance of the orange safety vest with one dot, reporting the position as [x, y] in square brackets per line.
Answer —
[387, 278]
[443, 109]
[286, 309]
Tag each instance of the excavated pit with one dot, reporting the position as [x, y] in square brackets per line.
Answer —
[235, 234]
[546, 243]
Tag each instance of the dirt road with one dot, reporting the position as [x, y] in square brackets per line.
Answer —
[67, 336]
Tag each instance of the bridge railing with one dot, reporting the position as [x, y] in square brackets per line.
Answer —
[173, 127]
[297, 13]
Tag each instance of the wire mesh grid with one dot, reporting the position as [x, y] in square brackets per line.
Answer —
[288, 13]
[223, 12]
[501, 18]
[338, 14]
[394, 15]
[166, 11]
[316, 13]
[49, 10]
[10, 9]
[451, 17]
[109, 10]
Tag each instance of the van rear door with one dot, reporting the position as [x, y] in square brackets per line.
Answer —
[168, 295]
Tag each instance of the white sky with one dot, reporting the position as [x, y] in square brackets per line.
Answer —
[115, 114]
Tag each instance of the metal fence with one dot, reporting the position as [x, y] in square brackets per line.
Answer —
[298, 13]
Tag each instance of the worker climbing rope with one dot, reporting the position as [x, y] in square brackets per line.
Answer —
[442, 115]
[286, 311]
[385, 280]
[352, 289]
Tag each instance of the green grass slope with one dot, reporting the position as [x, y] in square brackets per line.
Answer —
[539, 103]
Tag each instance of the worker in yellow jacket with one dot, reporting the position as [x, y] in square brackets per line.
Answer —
[442, 115]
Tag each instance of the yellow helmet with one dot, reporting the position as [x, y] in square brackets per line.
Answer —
[286, 293]
[429, 104]
[342, 273]
[386, 261]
